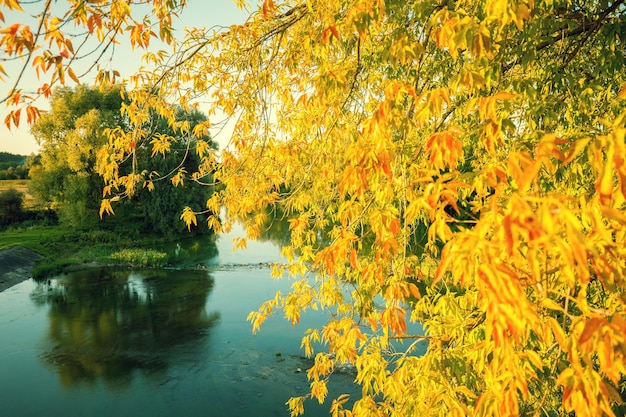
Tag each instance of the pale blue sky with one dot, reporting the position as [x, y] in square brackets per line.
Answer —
[198, 13]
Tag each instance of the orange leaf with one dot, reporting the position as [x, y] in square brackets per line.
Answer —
[12, 30]
[32, 114]
[415, 292]
[622, 92]
[395, 226]
[7, 121]
[353, 259]
[325, 35]
[268, 6]
[387, 169]
[590, 328]
[444, 263]
[16, 117]
[15, 98]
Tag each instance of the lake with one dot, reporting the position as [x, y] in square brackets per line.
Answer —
[107, 342]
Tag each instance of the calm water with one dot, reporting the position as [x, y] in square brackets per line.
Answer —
[154, 343]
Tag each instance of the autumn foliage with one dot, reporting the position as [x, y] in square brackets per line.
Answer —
[454, 164]
[54, 38]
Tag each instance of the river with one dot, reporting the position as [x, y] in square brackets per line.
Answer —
[115, 342]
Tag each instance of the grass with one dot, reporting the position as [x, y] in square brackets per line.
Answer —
[45, 240]
[20, 185]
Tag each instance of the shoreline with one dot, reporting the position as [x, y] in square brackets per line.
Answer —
[17, 263]
[16, 266]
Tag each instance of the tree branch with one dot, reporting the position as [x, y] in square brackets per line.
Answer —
[30, 53]
[586, 27]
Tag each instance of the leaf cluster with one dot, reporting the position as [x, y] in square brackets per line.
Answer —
[54, 39]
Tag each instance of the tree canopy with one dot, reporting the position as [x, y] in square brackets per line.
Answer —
[70, 135]
[66, 177]
[455, 164]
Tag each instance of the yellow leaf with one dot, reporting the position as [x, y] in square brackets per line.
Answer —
[503, 95]
[613, 214]
[296, 406]
[105, 207]
[535, 359]
[319, 390]
[558, 332]
[577, 147]
[551, 304]
[201, 146]
[604, 182]
[189, 217]
[72, 75]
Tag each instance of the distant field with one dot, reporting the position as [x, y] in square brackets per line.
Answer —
[22, 186]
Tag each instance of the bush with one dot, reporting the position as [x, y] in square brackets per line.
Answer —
[11, 206]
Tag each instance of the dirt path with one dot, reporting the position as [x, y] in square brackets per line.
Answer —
[16, 265]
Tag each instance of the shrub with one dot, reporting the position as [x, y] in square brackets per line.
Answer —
[11, 206]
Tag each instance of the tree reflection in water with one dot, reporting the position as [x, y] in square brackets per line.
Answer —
[108, 324]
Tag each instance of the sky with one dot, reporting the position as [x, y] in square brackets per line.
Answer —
[199, 13]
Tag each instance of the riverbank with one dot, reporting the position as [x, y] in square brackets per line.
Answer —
[16, 265]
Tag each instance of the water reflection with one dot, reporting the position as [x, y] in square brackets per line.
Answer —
[274, 226]
[109, 324]
[191, 252]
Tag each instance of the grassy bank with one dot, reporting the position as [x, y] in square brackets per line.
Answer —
[64, 248]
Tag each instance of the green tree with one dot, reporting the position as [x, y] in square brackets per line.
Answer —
[11, 206]
[65, 175]
[70, 135]
[155, 205]
[9, 160]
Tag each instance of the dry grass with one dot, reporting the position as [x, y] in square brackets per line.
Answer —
[21, 186]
